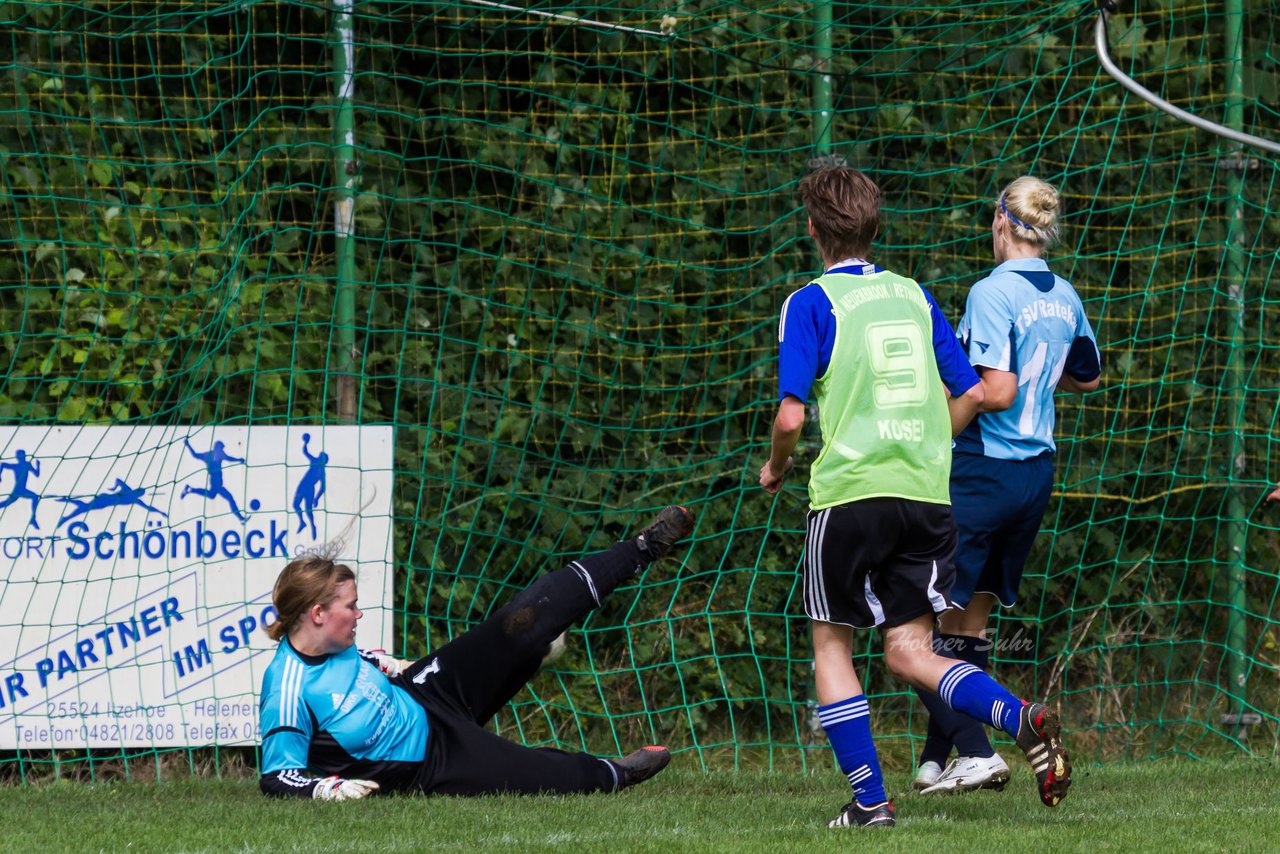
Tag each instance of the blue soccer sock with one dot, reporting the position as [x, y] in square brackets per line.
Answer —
[942, 718]
[848, 727]
[968, 735]
[967, 689]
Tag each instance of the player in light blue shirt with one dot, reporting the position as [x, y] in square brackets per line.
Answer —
[1027, 322]
[1025, 331]
[324, 710]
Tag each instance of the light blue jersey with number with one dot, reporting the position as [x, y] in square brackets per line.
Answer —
[1024, 319]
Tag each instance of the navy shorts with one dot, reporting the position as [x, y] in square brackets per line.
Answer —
[878, 562]
[998, 507]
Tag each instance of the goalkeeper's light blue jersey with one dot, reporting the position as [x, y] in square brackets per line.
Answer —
[338, 714]
[1024, 319]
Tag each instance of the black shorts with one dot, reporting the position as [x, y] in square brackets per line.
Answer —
[464, 683]
[460, 685]
[878, 562]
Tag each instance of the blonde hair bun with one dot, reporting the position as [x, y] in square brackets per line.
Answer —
[1033, 207]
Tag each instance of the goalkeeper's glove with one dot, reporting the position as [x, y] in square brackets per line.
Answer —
[389, 665]
[339, 789]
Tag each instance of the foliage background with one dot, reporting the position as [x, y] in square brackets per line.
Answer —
[572, 247]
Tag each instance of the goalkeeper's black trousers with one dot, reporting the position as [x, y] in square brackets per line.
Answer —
[466, 681]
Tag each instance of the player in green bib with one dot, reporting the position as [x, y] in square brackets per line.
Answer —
[892, 387]
[887, 430]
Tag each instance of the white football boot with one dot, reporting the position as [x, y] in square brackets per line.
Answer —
[926, 775]
[965, 773]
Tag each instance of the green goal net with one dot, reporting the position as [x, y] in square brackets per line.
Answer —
[516, 273]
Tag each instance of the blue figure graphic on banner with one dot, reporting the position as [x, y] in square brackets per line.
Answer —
[22, 469]
[120, 494]
[213, 460]
[310, 488]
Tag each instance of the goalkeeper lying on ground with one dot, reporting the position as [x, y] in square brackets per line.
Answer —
[340, 723]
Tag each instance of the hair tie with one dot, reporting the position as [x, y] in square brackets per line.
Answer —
[1016, 221]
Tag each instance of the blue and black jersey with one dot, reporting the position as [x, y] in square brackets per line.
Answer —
[336, 714]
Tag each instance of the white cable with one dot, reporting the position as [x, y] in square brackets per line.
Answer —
[668, 21]
[1100, 39]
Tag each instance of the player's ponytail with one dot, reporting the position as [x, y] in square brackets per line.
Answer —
[1032, 207]
[304, 582]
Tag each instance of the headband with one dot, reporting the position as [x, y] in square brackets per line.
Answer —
[1015, 220]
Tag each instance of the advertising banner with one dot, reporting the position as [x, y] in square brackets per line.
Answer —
[138, 564]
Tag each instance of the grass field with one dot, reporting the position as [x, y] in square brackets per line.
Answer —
[1165, 806]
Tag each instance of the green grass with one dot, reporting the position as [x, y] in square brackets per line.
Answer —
[1166, 806]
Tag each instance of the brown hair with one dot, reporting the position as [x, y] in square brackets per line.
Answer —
[1032, 207]
[304, 582]
[844, 207]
